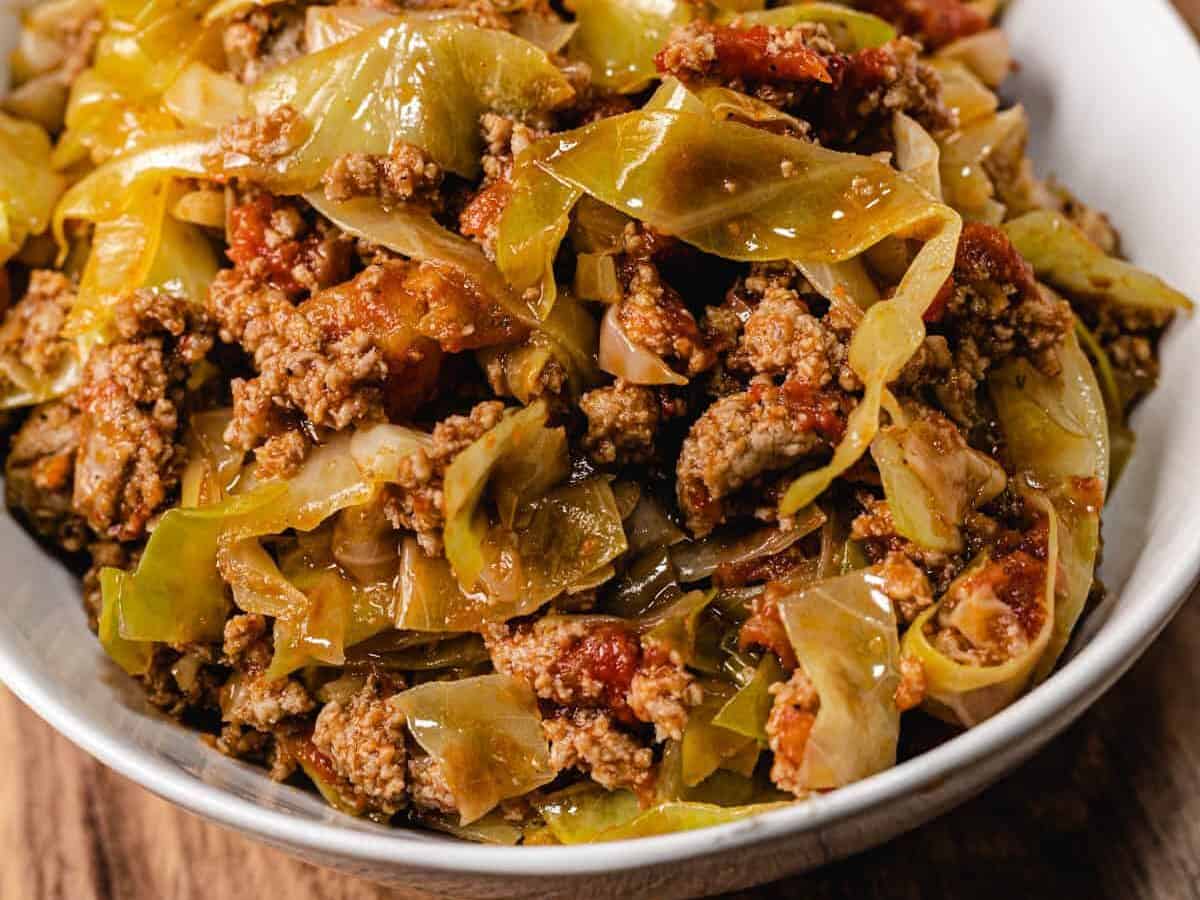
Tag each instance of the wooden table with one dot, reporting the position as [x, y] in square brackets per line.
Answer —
[1109, 810]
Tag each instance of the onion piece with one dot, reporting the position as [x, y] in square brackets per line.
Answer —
[201, 97]
[623, 358]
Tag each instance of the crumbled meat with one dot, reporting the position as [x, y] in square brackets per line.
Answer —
[994, 309]
[745, 434]
[503, 139]
[589, 740]
[911, 689]
[242, 634]
[263, 38]
[653, 315]
[260, 140]
[622, 421]
[30, 337]
[271, 242]
[793, 714]
[875, 530]
[905, 584]
[569, 662]
[427, 785]
[765, 626]
[701, 50]
[364, 740]
[579, 663]
[415, 501]
[39, 474]
[994, 611]
[406, 174]
[259, 702]
[799, 70]
[662, 694]
[180, 679]
[129, 461]
[331, 380]
[934, 22]
[780, 337]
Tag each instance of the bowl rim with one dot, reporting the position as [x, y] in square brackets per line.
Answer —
[1089, 673]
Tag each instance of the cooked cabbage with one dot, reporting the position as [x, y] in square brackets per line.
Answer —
[1063, 255]
[486, 735]
[420, 81]
[844, 633]
[28, 187]
[1056, 429]
[966, 693]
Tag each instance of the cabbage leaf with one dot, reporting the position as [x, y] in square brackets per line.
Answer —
[424, 82]
[1063, 255]
[485, 733]
[844, 633]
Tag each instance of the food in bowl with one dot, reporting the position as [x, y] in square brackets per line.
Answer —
[552, 425]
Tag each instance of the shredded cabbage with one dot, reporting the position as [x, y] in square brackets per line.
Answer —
[850, 29]
[1061, 254]
[844, 633]
[485, 733]
[28, 186]
[618, 38]
[968, 694]
[1056, 429]
[424, 82]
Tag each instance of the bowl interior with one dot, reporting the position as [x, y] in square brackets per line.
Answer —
[1090, 124]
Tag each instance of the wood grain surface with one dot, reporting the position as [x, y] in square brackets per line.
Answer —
[1109, 810]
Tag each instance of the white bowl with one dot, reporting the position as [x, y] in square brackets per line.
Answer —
[1109, 86]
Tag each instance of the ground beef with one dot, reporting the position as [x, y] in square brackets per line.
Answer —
[129, 462]
[273, 242]
[993, 612]
[503, 139]
[330, 380]
[249, 698]
[934, 22]
[745, 434]
[415, 501]
[39, 474]
[765, 629]
[992, 309]
[793, 714]
[182, 679]
[31, 333]
[662, 694]
[911, 689]
[653, 315]
[622, 421]
[261, 39]
[781, 337]
[905, 584]
[799, 70]
[242, 636]
[364, 739]
[406, 174]
[589, 740]
[577, 663]
[875, 530]
[702, 50]
[427, 785]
